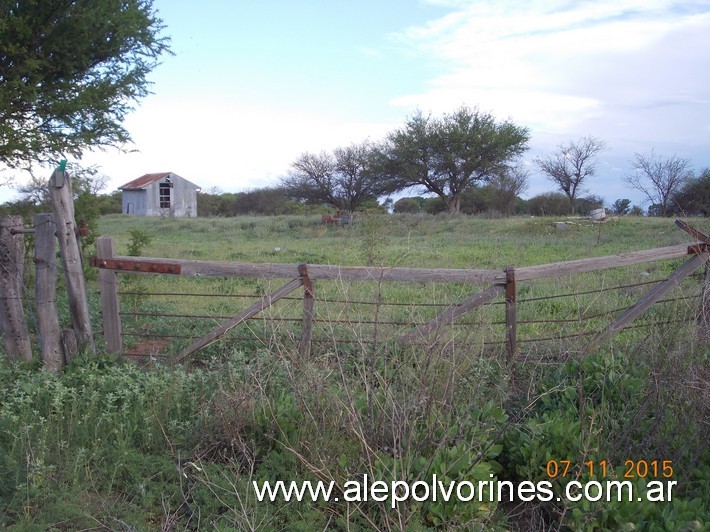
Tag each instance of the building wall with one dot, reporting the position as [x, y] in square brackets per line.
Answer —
[133, 202]
[183, 199]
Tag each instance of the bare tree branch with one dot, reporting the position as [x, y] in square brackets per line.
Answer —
[572, 165]
[658, 178]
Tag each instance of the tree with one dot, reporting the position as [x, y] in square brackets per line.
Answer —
[507, 186]
[409, 205]
[70, 72]
[86, 180]
[344, 179]
[478, 200]
[621, 207]
[584, 206]
[548, 204]
[450, 155]
[572, 165]
[694, 198]
[659, 179]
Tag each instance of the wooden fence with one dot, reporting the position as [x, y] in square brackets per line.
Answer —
[501, 285]
[56, 345]
[482, 288]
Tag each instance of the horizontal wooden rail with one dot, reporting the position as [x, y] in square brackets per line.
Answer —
[368, 273]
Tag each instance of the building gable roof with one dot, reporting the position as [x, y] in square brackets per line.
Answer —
[145, 180]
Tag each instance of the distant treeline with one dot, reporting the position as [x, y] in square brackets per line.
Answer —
[481, 200]
[693, 199]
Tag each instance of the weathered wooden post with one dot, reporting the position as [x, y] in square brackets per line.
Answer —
[704, 314]
[15, 336]
[510, 314]
[309, 294]
[46, 292]
[108, 289]
[704, 247]
[63, 204]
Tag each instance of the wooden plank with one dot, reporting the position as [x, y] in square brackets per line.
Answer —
[650, 298]
[695, 249]
[692, 231]
[510, 314]
[450, 314]
[404, 275]
[309, 294]
[63, 205]
[108, 293]
[46, 292]
[558, 269]
[220, 331]
[135, 266]
[13, 326]
[316, 271]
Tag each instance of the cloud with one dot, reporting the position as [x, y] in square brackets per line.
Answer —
[554, 65]
[220, 142]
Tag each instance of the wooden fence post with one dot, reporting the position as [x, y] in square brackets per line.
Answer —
[704, 313]
[108, 288]
[510, 314]
[13, 326]
[63, 203]
[309, 294]
[46, 292]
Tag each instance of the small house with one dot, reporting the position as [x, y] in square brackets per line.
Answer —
[162, 194]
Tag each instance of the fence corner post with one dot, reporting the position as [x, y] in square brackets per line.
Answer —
[510, 314]
[309, 294]
[63, 204]
[108, 293]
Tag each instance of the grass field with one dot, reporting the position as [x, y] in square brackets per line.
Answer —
[422, 241]
[111, 444]
[411, 241]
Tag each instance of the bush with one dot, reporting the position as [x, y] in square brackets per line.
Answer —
[139, 239]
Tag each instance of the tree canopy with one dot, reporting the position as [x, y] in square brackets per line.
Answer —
[70, 72]
[449, 155]
[344, 179]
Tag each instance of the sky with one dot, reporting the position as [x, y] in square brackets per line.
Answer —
[255, 83]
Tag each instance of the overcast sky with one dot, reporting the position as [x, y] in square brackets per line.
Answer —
[255, 83]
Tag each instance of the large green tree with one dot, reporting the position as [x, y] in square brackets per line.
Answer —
[450, 155]
[70, 71]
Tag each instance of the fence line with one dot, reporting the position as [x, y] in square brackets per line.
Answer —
[452, 312]
[490, 287]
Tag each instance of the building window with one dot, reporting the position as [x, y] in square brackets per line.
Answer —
[164, 195]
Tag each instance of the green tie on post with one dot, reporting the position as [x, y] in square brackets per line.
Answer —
[58, 176]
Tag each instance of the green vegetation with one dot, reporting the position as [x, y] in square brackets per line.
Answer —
[112, 444]
[71, 72]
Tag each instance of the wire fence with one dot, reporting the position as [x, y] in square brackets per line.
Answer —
[158, 322]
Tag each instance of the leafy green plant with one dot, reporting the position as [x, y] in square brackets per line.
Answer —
[139, 239]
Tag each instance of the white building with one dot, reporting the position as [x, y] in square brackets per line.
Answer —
[162, 194]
